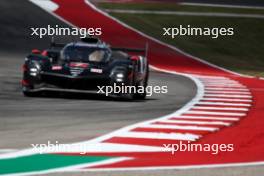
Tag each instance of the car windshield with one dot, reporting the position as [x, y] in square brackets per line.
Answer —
[85, 54]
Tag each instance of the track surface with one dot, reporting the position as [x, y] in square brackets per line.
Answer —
[69, 118]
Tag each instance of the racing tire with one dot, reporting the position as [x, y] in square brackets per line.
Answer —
[30, 94]
[27, 93]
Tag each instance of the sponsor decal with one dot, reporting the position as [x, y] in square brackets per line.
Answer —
[96, 70]
[78, 64]
[56, 67]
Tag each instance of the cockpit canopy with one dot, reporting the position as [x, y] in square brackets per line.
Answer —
[83, 53]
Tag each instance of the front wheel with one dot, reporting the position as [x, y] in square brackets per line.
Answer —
[27, 93]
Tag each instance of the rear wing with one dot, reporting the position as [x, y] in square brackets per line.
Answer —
[136, 50]
[56, 45]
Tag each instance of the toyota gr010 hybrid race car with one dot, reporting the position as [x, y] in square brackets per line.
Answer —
[83, 66]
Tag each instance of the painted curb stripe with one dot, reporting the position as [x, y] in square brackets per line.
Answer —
[207, 118]
[222, 104]
[196, 122]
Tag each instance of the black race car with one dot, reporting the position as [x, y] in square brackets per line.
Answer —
[85, 66]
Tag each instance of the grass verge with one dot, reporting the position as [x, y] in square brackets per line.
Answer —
[242, 52]
[161, 6]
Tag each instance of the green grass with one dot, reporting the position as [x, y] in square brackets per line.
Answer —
[176, 7]
[243, 52]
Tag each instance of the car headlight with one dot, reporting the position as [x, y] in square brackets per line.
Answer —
[120, 75]
[35, 70]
